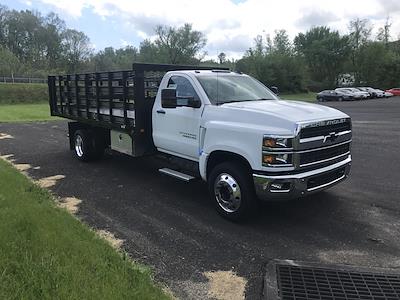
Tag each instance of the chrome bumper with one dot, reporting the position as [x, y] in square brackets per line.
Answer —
[284, 187]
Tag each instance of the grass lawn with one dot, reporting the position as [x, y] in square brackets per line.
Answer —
[23, 93]
[45, 253]
[25, 112]
[309, 97]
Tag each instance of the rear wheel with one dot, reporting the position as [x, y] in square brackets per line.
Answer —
[87, 146]
[340, 99]
[232, 191]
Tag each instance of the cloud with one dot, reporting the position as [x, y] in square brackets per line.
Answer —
[230, 26]
[316, 18]
[124, 43]
[390, 6]
[235, 43]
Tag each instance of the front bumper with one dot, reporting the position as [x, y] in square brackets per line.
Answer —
[285, 187]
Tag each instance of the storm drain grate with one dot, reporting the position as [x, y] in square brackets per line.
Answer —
[295, 281]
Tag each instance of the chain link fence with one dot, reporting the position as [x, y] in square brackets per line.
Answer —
[21, 79]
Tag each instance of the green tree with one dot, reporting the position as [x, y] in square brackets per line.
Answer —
[282, 43]
[325, 53]
[179, 45]
[274, 63]
[384, 32]
[3, 24]
[9, 63]
[53, 31]
[76, 49]
[222, 58]
[150, 52]
[360, 33]
[379, 66]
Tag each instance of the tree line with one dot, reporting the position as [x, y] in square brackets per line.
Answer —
[33, 44]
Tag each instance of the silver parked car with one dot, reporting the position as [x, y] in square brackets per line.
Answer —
[373, 92]
[384, 93]
[357, 95]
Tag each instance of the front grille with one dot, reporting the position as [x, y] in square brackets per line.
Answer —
[324, 130]
[323, 154]
[334, 282]
[325, 178]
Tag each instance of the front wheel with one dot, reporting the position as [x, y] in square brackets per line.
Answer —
[232, 191]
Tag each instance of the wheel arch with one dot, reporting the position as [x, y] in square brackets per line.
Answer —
[219, 156]
[102, 133]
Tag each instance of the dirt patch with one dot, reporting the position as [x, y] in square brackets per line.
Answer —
[111, 239]
[4, 136]
[189, 289]
[7, 157]
[22, 167]
[71, 204]
[226, 285]
[49, 181]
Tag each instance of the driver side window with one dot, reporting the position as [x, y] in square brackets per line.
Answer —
[184, 89]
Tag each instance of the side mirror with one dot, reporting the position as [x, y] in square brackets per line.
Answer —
[274, 89]
[168, 98]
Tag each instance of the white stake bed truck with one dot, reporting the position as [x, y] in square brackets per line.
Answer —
[223, 127]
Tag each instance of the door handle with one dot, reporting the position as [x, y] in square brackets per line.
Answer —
[161, 111]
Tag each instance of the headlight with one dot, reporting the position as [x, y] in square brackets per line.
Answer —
[277, 152]
[277, 160]
[276, 142]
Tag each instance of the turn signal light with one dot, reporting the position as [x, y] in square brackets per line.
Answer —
[268, 159]
[270, 143]
[277, 160]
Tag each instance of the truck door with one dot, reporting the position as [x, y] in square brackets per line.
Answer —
[176, 130]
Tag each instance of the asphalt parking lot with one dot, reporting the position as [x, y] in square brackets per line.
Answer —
[172, 226]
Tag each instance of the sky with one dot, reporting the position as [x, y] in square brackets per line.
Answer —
[230, 26]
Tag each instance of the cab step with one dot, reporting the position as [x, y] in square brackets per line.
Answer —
[176, 174]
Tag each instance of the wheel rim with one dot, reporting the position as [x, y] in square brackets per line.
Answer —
[79, 145]
[227, 193]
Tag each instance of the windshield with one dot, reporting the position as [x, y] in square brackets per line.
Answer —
[222, 89]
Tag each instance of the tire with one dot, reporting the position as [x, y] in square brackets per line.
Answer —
[340, 99]
[230, 180]
[320, 99]
[87, 146]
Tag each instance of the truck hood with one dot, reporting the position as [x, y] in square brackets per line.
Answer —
[294, 111]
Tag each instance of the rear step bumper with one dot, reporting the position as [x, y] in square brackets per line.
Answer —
[285, 187]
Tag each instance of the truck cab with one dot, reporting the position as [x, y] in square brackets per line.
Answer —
[227, 128]
[287, 149]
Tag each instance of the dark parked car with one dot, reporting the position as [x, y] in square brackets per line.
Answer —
[330, 95]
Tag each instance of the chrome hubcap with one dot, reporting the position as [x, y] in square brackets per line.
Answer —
[227, 193]
[79, 145]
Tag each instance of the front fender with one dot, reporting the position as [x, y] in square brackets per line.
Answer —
[235, 138]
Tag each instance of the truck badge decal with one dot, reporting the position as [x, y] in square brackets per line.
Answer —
[326, 123]
[330, 137]
[333, 122]
[188, 135]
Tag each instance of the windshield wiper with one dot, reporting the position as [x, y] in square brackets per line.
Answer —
[231, 101]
